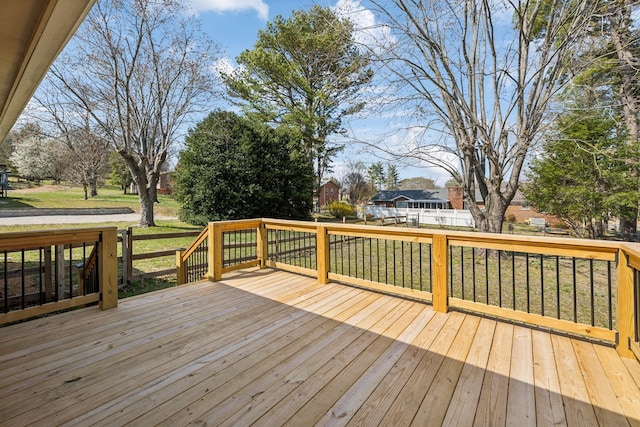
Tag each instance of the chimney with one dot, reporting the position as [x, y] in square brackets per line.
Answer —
[456, 197]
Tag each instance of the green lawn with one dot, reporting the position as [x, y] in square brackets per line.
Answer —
[62, 196]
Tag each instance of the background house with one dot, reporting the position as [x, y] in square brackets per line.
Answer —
[518, 208]
[329, 192]
[414, 199]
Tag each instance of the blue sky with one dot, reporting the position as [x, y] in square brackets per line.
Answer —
[234, 25]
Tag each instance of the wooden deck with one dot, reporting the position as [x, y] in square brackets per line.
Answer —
[274, 348]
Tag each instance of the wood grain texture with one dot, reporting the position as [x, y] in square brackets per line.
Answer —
[269, 347]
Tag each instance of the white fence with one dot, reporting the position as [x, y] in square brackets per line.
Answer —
[442, 217]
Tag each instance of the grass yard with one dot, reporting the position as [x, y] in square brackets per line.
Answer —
[63, 196]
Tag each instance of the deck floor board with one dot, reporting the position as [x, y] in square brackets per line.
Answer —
[266, 347]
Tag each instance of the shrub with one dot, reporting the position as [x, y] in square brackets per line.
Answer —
[234, 168]
[340, 209]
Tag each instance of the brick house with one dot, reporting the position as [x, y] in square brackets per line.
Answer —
[329, 192]
[519, 206]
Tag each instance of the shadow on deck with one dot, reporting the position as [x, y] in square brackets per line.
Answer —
[275, 348]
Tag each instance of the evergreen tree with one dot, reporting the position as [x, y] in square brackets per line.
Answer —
[234, 168]
[376, 175]
[582, 176]
[120, 174]
[392, 177]
[305, 71]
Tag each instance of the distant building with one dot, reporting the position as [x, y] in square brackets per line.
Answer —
[518, 209]
[413, 199]
[164, 183]
[329, 192]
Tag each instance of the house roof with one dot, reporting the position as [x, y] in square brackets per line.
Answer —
[32, 33]
[391, 195]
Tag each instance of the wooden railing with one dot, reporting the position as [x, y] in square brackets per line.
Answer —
[46, 271]
[127, 240]
[569, 285]
[629, 297]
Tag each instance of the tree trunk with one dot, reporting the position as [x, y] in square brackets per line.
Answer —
[621, 36]
[85, 188]
[146, 208]
[489, 219]
[93, 185]
[146, 181]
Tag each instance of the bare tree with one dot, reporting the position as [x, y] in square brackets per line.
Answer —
[83, 155]
[85, 159]
[355, 184]
[139, 69]
[487, 72]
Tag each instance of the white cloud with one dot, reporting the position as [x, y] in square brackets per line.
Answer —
[221, 6]
[223, 65]
[368, 31]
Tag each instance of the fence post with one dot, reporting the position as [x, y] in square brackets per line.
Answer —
[125, 258]
[322, 251]
[625, 309]
[215, 252]
[60, 272]
[262, 243]
[108, 268]
[181, 271]
[129, 252]
[48, 279]
[439, 247]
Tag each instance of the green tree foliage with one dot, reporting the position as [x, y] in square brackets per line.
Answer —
[392, 181]
[418, 183]
[120, 174]
[306, 72]
[235, 168]
[376, 175]
[582, 176]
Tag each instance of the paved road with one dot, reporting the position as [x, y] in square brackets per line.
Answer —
[133, 218]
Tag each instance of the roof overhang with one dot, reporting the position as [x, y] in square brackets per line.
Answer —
[32, 34]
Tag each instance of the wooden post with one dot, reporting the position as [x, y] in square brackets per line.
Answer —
[108, 268]
[129, 252]
[625, 309]
[263, 252]
[215, 252]
[322, 250]
[60, 268]
[48, 278]
[125, 258]
[439, 248]
[181, 270]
